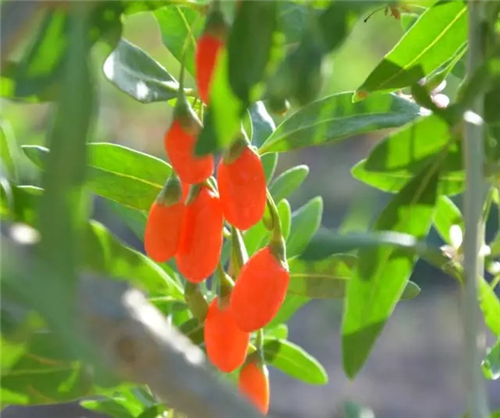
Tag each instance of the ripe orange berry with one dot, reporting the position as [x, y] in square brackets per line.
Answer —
[201, 236]
[207, 51]
[163, 226]
[253, 382]
[180, 142]
[225, 343]
[242, 187]
[259, 291]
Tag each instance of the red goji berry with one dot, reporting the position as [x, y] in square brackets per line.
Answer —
[201, 236]
[253, 382]
[260, 290]
[180, 142]
[207, 51]
[242, 187]
[163, 226]
[225, 343]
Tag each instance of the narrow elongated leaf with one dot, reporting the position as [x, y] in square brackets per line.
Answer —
[336, 117]
[383, 272]
[328, 278]
[294, 361]
[107, 255]
[305, 222]
[250, 45]
[269, 162]
[137, 74]
[279, 332]
[133, 218]
[438, 34]
[446, 215]
[8, 151]
[288, 182]
[285, 213]
[118, 173]
[180, 27]
[490, 306]
[491, 364]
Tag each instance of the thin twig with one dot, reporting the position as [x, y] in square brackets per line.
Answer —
[474, 197]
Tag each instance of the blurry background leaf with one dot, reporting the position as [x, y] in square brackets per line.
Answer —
[305, 222]
[491, 364]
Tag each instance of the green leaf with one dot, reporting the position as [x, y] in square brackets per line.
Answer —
[293, 19]
[490, 306]
[262, 122]
[133, 218]
[294, 361]
[438, 34]
[285, 213]
[8, 151]
[118, 173]
[116, 408]
[491, 364]
[269, 162]
[105, 254]
[278, 332]
[256, 238]
[288, 182]
[193, 329]
[355, 410]
[328, 278]
[305, 222]
[383, 272]
[180, 27]
[335, 118]
[135, 73]
[249, 46]
[402, 155]
[44, 374]
[290, 306]
[446, 215]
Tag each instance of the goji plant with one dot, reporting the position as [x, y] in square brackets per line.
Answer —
[226, 263]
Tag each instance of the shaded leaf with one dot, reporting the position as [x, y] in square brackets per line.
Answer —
[294, 361]
[262, 122]
[249, 46]
[290, 306]
[383, 272]
[45, 374]
[287, 182]
[438, 34]
[269, 162]
[135, 73]
[305, 222]
[133, 218]
[116, 408]
[118, 173]
[336, 117]
[328, 278]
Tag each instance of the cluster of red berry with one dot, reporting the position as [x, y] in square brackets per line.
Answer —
[187, 220]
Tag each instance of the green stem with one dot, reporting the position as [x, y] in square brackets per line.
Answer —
[477, 405]
[239, 255]
[259, 341]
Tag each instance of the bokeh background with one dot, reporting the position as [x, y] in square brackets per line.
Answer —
[415, 368]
